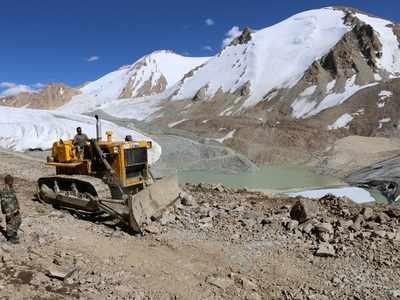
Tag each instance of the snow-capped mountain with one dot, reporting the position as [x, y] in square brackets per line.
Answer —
[150, 75]
[315, 60]
[298, 68]
[288, 89]
[317, 75]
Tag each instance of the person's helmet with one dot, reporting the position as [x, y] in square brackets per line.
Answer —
[9, 179]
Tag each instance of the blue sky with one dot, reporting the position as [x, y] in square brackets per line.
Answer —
[78, 40]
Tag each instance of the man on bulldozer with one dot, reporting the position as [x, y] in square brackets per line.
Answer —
[80, 140]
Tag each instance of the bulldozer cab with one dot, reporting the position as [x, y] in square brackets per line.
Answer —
[127, 159]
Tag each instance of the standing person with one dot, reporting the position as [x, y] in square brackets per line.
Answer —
[80, 141]
[10, 207]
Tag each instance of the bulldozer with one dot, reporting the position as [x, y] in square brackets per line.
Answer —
[111, 181]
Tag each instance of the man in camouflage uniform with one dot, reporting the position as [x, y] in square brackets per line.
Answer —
[10, 207]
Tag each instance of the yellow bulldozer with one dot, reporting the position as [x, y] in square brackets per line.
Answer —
[111, 181]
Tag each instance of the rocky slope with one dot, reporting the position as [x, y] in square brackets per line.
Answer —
[216, 243]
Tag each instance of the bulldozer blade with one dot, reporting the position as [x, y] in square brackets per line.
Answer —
[152, 201]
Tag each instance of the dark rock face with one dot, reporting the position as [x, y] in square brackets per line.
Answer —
[244, 90]
[201, 94]
[369, 43]
[342, 59]
[303, 210]
[244, 38]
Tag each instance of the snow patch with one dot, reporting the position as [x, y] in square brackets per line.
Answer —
[171, 125]
[333, 100]
[385, 94]
[228, 136]
[383, 121]
[226, 112]
[341, 122]
[308, 91]
[381, 104]
[356, 194]
[22, 129]
[330, 86]
[300, 107]
[139, 109]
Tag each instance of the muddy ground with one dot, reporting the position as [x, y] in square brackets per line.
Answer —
[218, 243]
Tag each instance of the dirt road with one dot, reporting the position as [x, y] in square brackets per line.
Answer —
[222, 244]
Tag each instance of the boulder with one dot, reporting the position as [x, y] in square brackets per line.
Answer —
[325, 250]
[382, 218]
[187, 199]
[393, 211]
[324, 227]
[379, 233]
[367, 213]
[152, 228]
[304, 210]
[57, 272]
[345, 223]
[248, 285]
[220, 282]
[291, 225]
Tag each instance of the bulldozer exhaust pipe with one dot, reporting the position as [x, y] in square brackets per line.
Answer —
[98, 128]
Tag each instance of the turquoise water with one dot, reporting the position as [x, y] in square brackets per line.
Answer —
[266, 177]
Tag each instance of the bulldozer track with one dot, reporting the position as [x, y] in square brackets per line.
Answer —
[102, 189]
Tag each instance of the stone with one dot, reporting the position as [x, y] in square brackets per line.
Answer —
[393, 212]
[372, 226]
[6, 258]
[6, 248]
[345, 223]
[206, 220]
[167, 218]
[366, 234]
[220, 282]
[359, 219]
[379, 233]
[324, 227]
[58, 272]
[391, 235]
[346, 212]
[291, 225]
[213, 213]
[248, 285]
[324, 236]
[304, 210]
[325, 250]
[187, 199]
[152, 228]
[395, 293]
[318, 297]
[307, 228]
[253, 296]
[382, 218]
[367, 213]
[219, 187]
